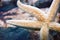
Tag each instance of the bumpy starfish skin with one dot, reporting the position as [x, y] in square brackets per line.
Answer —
[26, 23]
[52, 11]
[44, 19]
[39, 14]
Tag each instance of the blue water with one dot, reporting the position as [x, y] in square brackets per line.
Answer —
[16, 33]
[7, 7]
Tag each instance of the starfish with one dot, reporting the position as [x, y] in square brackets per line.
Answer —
[45, 20]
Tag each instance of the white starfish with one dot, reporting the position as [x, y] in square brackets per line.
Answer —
[44, 19]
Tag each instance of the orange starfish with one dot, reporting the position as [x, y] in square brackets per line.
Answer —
[44, 19]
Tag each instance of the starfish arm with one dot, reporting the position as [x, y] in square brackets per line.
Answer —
[25, 23]
[39, 14]
[53, 9]
[55, 26]
[44, 32]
